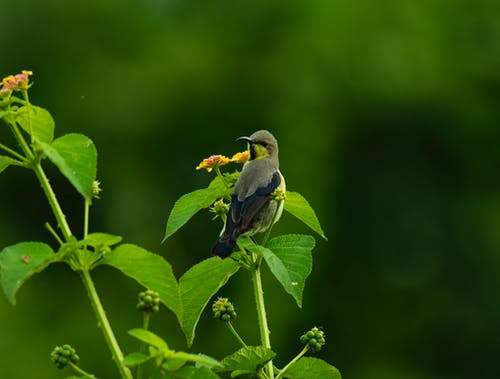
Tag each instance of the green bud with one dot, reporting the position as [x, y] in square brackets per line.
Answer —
[148, 301]
[223, 309]
[315, 338]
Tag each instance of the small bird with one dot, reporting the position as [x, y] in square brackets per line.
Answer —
[252, 210]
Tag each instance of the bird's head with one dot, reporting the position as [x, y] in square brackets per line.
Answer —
[261, 144]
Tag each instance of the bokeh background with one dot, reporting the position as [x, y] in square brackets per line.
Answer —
[387, 114]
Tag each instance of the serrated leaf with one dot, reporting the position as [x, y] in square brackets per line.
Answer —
[191, 203]
[148, 269]
[6, 162]
[136, 359]
[21, 261]
[311, 368]
[248, 359]
[76, 157]
[290, 260]
[37, 122]
[149, 338]
[298, 206]
[198, 285]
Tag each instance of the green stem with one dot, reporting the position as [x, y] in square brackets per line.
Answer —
[80, 371]
[105, 325]
[282, 372]
[235, 333]
[261, 313]
[12, 152]
[53, 232]
[145, 326]
[86, 218]
[219, 174]
[28, 108]
[54, 204]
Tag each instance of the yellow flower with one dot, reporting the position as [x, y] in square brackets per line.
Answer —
[240, 157]
[16, 82]
[213, 161]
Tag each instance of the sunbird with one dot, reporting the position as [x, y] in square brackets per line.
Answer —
[252, 208]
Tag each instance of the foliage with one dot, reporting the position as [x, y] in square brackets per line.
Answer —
[289, 257]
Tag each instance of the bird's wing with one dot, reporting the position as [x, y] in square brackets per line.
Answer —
[242, 212]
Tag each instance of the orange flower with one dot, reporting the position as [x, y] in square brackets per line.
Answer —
[16, 82]
[240, 157]
[213, 161]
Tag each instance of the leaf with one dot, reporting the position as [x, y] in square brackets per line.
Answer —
[311, 368]
[193, 372]
[76, 157]
[290, 260]
[136, 359]
[298, 206]
[198, 285]
[202, 359]
[148, 269]
[21, 261]
[100, 240]
[149, 338]
[42, 123]
[247, 360]
[6, 162]
[191, 203]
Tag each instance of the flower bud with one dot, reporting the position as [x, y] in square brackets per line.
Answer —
[148, 301]
[315, 338]
[223, 309]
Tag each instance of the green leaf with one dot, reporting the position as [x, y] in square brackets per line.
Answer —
[148, 269]
[191, 203]
[6, 162]
[192, 372]
[42, 123]
[247, 360]
[202, 359]
[136, 359]
[298, 206]
[100, 240]
[198, 285]
[311, 368]
[76, 157]
[21, 261]
[290, 260]
[149, 338]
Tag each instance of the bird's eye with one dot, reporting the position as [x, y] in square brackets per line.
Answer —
[263, 144]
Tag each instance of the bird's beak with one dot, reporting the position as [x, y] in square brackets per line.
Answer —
[247, 139]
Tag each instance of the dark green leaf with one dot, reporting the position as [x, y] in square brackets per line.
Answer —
[76, 157]
[290, 260]
[136, 359]
[198, 285]
[248, 359]
[6, 162]
[150, 270]
[191, 203]
[311, 368]
[149, 338]
[36, 121]
[21, 261]
[298, 206]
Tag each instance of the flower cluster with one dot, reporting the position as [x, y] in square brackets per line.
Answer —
[149, 301]
[223, 309]
[62, 355]
[218, 160]
[18, 82]
[315, 338]
[220, 209]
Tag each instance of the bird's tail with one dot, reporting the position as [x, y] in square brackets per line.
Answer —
[223, 247]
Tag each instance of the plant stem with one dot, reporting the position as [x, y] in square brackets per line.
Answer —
[299, 355]
[53, 232]
[12, 152]
[261, 313]
[80, 371]
[105, 326]
[235, 333]
[145, 326]
[54, 204]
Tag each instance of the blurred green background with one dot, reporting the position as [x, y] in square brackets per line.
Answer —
[387, 114]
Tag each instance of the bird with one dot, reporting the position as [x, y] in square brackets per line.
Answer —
[252, 208]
